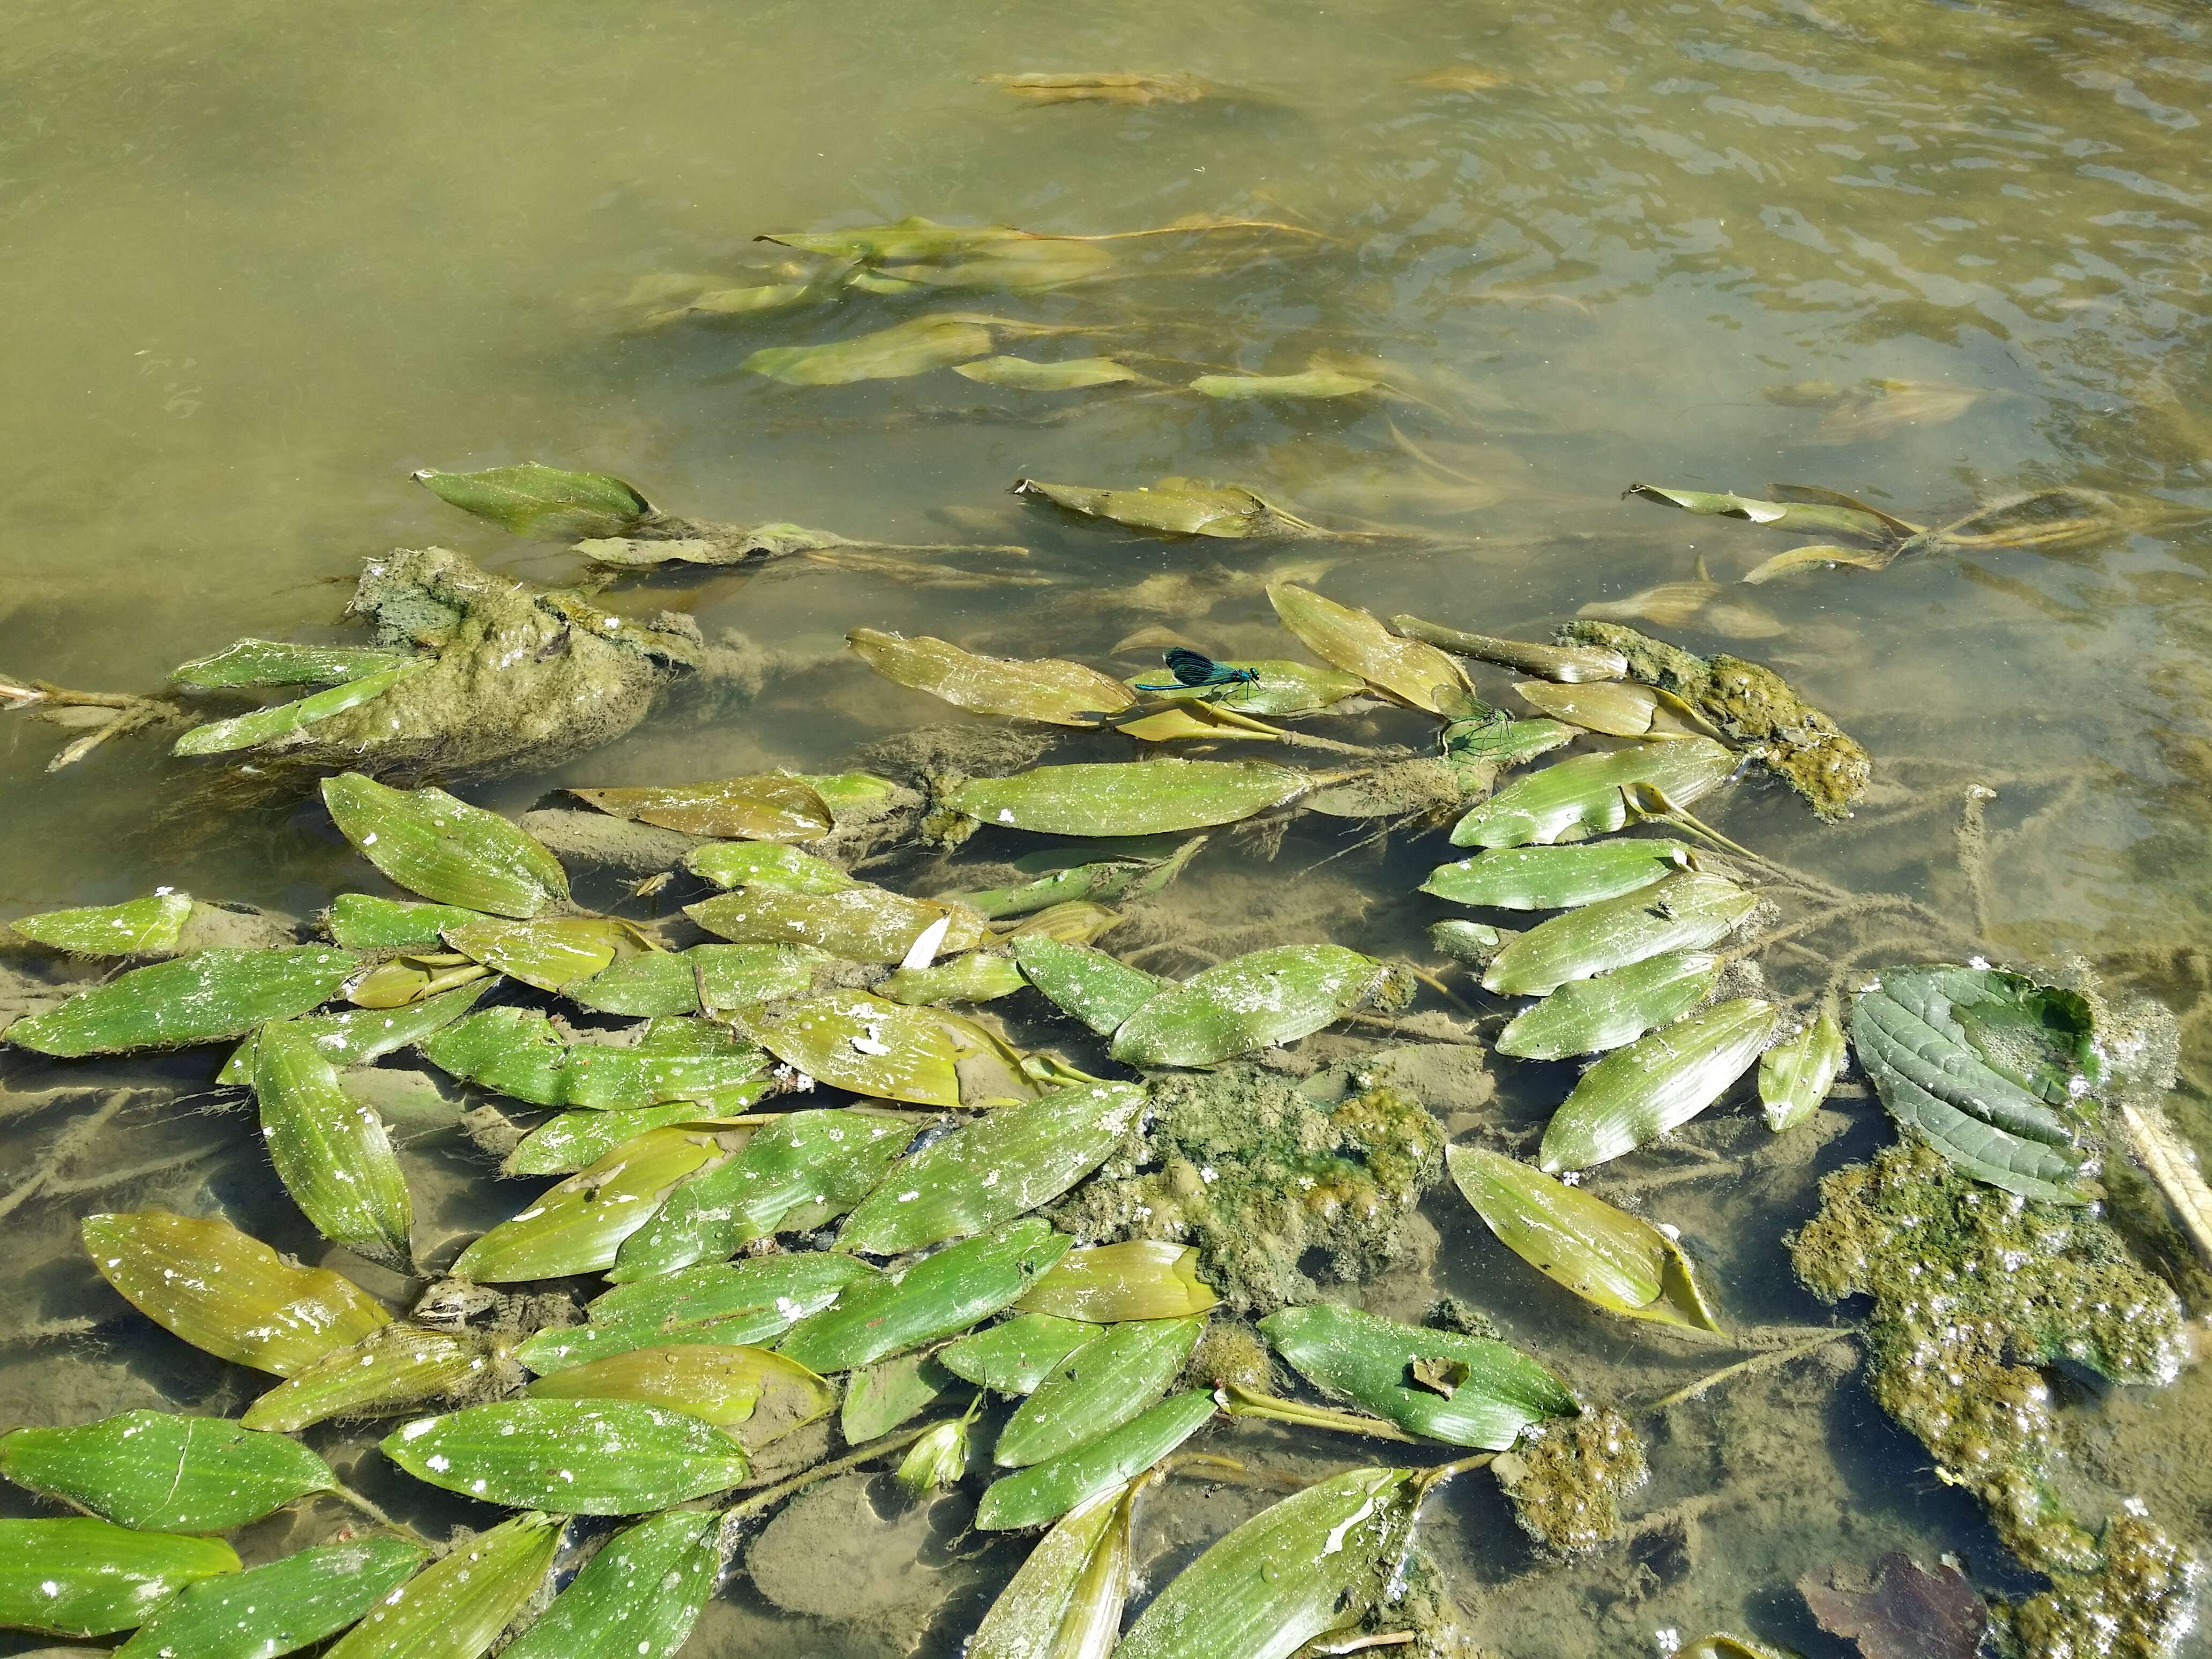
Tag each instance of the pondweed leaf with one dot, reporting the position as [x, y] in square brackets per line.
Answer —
[1821, 556]
[1568, 664]
[396, 1368]
[868, 1045]
[1687, 911]
[1716, 607]
[355, 1036]
[1256, 1001]
[1088, 984]
[896, 352]
[146, 927]
[1301, 1568]
[456, 1608]
[205, 997]
[401, 982]
[1116, 1376]
[163, 1472]
[1045, 1492]
[84, 1577]
[1177, 506]
[1140, 1279]
[1065, 1603]
[531, 499]
[591, 1456]
[1655, 1085]
[1796, 1073]
[578, 1225]
[447, 850]
[1313, 383]
[576, 1140]
[640, 1595]
[939, 1296]
[279, 1609]
[550, 954]
[1057, 692]
[766, 864]
[1816, 516]
[1145, 797]
[1605, 1255]
[517, 1051]
[1583, 795]
[261, 725]
[979, 977]
[1354, 641]
[1365, 1358]
[880, 1397]
[228, 1293]
[1014, 1357]
[762, 806]
[1022, 374]
[1279, 687]
[270, 662]
[1589, 1016]
[995, 1169]
[361, 922]
[331, 1152]
[731, 1305]
[907, 239]
[715, 1382]
[857, 923]
[1616, 708]
[1558, 877]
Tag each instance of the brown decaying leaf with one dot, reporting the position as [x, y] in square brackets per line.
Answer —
[1103, 89]
[1908, 1613]
[1457, 78]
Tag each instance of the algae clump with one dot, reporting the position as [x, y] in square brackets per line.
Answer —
[1268, 1185]
[1750, 705]
[1566, 1476]
[1973, 1288]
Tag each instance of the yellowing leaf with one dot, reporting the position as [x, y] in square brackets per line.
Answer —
[1357, 642]
[1057, 692]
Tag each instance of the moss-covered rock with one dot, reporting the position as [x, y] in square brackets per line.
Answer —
[1269, 1186]
[2137, 1606]
[1567, 1476]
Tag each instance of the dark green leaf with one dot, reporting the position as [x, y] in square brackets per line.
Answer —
[447, 850]
[1047, 1490]
[1686, 912]
[590, 1457]
[269, 662]
[202, 998]
[82, 1577]
[1558, 877]
[263, 725]
[456, 1608]
[638, 1596]
[740, 1303]
[1116, 1376]
[279, 1609]
[1589, 1016]
[1092, 986]
[1655, 1085]
[162, 1472]
[1013, 1358]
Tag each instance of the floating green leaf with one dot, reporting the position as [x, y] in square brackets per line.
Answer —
[1057, 692]
[1014, 1357]
[1313, 383]
[161, 1472]
[1796, 1073]
[1116, 1376]
[1044, 1492]
[396, 1368]
[641, 1595]
[456, 1608]
[331, 1152]
[1655, 1085]
[269, 662]
[1589, 1016]
[1294, 1571]
[857, 923]
[82, 1577]
[1093, 986]
[1013, 1161]
[1282, 687]
[1686, 912]
[738, 1304]
[202, 998]
[576, 1140]
[590, 1457]
[1253, 1002]
[1138, 798]
[549, 954]
[279, 1609]
[1584, 795]
[147, 926]
[531, 499]
[864, 1044]
[228, 1293]
[1176, 507]
[1357, 642]
[716, 1383]
[577, 1226]
[1962, 1086]
[1022, 374]
[403, 981]
[1066, 1601]
[447, 850]
[766, 864]
[905, 349]
[1140, 1279]
[261, 725]
[818, 1163]
[979, 977]
[939, 1296]
[360, 921]
[762, 806]
[1618, 1260]
[1616, 708]
[1365, 1358]
[1558, 877]
[517, 1051]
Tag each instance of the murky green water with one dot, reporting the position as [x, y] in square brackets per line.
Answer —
[262, 262]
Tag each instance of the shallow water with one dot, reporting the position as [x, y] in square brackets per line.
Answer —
[262, 262]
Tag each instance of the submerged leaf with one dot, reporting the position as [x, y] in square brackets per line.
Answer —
[1365, 1358]
[1796, 1073]
[1256, 1001]
[396, 1368]
[1176, 507]
[84, 1577]
[880, 1397]
[1023, 375]
[1824, 515]
[1558, 877]
[1116, 1376]
[979, 977]
[1044, 1492]
[1619, 1261]
[1057, 692]
[447, 850]
[202, 998]
[550, 954]
[1313, 383]
[1583, 795]
[1139, 1279]
[1135, 797]
[762, 806]
[1688, 911]
[517, 1051]
[590, 1457]
[147, 926]
[1093, 986]
[456, 1608]
[641, 1595]
[162, 1472]
[1616, 708]
[1357, 642]
[889, 354]
[1105, 89]
[331, 1152]
[289, 1604]
[868, 1045]
[1908, 1613]
[1589, 1016]
[1566, 665]
[1655, 1085]
[228, 1293]
[1713, 606]
[1821, 555]
[531, 499]
[262, 725]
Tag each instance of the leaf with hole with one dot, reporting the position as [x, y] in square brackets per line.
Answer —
[1655, 1085]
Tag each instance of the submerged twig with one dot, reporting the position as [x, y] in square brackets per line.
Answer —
[1758, 1362]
